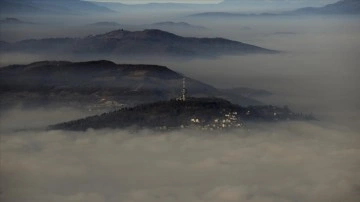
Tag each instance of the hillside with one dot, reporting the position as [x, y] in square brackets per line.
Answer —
[122, 43]
[201, 113]
[87, 84]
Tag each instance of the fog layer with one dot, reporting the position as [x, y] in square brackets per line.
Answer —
[285, 162]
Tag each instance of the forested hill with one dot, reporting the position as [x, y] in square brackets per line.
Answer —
[86, 83]
[204, 113]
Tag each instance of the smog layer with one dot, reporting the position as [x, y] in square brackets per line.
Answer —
[316, 72]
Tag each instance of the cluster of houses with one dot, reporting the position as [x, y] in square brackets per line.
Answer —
[228, 121]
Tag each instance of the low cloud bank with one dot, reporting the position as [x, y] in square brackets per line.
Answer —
[283, 162]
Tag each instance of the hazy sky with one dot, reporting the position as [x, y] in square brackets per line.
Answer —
[205, 1]
[160, 1]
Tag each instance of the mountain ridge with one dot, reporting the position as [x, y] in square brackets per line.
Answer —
[341, 7]
[149, 42]
[86, 83]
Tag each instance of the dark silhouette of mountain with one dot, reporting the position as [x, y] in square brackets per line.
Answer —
[201, 113]
[178, 25]
[15, 21]
[34, 7]
[85, 83]
[138, 43]
[340, 7]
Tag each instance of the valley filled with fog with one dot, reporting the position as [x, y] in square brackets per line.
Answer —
[316, 72]
[282, 162]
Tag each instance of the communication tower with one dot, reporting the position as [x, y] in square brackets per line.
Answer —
[183, 92]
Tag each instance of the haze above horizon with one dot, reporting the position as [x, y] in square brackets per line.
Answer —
[320, 2]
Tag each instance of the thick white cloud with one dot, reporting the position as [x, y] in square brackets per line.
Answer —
[284, 162]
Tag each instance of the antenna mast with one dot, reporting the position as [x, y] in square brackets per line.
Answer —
[184, 91]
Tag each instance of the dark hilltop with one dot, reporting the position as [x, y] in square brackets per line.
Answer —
[199, 113]
[98, 84]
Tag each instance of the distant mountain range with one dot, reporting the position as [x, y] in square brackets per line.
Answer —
[15, 21]
[167, 25]
[76, 7]
[343, 7]
[87, 83]
[57, 7]
[226, 5]
[122, 43]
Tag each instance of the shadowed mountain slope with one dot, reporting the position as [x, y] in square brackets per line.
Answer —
[85, 83]
[151, 42]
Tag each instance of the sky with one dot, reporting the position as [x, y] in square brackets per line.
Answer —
[201, 1]
[160, 1]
